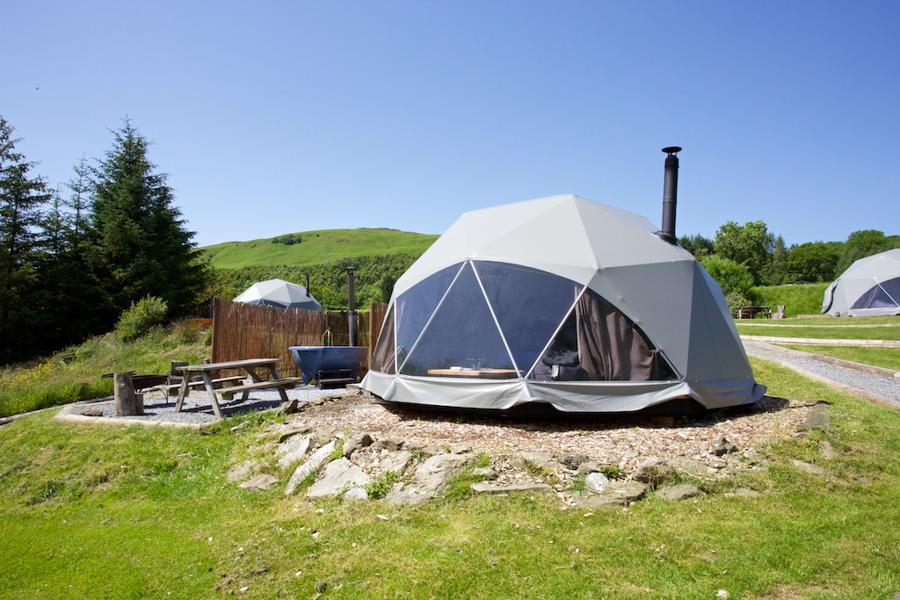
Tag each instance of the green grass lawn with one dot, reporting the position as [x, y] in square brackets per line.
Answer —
[128, 513]
[75, 373]
[889, 358]
[812, 328]
[317, 247]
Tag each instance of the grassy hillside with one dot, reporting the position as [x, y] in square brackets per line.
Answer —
[75, 373]
[317, 247]
[799, 299]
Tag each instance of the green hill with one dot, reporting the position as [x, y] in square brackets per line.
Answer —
[317, 247]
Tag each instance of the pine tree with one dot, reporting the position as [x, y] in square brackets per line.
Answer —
[81, 187]
[138, 235]
[22, 196]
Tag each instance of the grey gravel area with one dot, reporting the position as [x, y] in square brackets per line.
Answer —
[198, 409]
[886, 388]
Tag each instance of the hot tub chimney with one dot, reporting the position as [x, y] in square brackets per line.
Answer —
[351, 306]
[308, 291]
[670, 194]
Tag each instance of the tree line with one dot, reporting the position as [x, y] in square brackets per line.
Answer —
[740, 257]
[74, 256]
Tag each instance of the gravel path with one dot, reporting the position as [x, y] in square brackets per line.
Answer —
[886, 389]
[198, 409]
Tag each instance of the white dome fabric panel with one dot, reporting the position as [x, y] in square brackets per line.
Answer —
[638, 282]
[868, 288]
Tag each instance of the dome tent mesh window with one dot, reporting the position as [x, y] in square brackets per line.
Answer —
[417, 305]
[880, 295]
[460, 335]
[506, 321]
[383, 355]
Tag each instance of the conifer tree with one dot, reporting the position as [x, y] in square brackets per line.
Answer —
[138, 235]
[22, 196]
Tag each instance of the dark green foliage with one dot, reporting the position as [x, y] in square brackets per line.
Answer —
[22, 197]
[730, 275]
[141, 317]
[139, 238]
[813, 262]
[375, 278]
[750, 244]
[288, 239]
[777, 270]
[865, 243]
[697, 245]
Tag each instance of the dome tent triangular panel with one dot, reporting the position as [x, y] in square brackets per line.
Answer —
[647, 328]
[461, 334]
[869, 287]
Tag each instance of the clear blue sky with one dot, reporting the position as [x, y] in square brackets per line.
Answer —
[273, 118]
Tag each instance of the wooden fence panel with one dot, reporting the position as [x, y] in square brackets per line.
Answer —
[248, 331]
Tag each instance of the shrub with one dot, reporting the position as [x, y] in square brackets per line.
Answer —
[737, 300]
[731, 276]
[141, 317]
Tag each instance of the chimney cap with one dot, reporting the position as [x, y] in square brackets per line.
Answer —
[670, 150]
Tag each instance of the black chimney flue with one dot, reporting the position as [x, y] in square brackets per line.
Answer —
[670, 194]
[351, 305]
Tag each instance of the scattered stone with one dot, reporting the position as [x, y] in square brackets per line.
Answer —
[753, 457]
[260, 483]
[460, 448]
[338, 476]
[485, 473]
[722, 447]
[679, 491]
[809, 468]
[240, 426]
[293, 451]
[574, 461]
[489, 487]
[654, 471]
[586, 468]
[541, 459]
[816, 418]
[746, 493]
[357, 493]
[355, 442]
[291, 432]
[716, 463]
[615, 493]
[428, 479]
[241, 471]
[396, 462]
[827, 450]
[388, 444]
[722, 594]
[312, 464]
[93, 411]
[289, 408]
[596, 481]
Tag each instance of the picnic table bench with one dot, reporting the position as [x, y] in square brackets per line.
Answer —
[749, 312]
[251, 366]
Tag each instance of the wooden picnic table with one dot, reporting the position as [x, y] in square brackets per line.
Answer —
[251, 366]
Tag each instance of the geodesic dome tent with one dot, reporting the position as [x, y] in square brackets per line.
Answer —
[563, 301]
[279, 293]
[869, 287]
